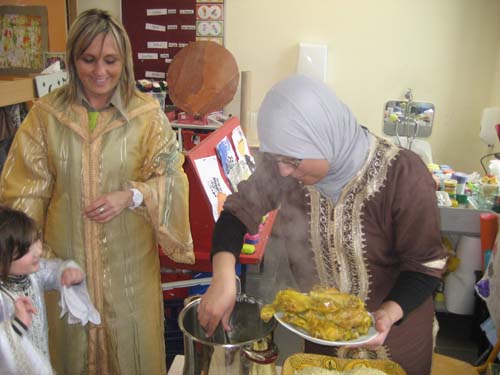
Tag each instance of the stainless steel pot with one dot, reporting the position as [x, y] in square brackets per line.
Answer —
[247, 350]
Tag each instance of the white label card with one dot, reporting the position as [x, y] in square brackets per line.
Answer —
[156, 12]
[147, 56]
[172, 27]
[188, 27]
[152, 26]
[186, 11]
[157, 44]
[154, 74]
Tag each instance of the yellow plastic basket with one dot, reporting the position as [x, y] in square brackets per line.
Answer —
[299, 361]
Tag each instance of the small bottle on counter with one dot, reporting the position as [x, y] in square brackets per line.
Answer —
[463, 200]
[461, 179]
[450, 186]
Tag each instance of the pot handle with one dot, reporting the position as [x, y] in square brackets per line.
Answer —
[262, 357]
[238, 286]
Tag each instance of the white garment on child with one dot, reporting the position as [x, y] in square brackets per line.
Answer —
[33, 344]
[28, 354]
[18, 356]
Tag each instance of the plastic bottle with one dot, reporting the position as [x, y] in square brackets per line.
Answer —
[450, 186]
[461, 181]
[494, 168]
[463, 200]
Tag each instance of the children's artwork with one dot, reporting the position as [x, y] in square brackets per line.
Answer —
[45, 83]
[235, 169]
[227, 156]
[242, 149]
[23, 38]
[240, 142]
[50, 58]
[212, 181]
[239, 173]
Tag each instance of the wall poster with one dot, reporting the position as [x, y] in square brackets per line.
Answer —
[24, 38]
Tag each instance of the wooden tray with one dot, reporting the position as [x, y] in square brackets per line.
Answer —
[300, 361]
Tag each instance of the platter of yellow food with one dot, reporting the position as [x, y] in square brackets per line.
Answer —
[324, 316]
[322, 371]
[316, 364]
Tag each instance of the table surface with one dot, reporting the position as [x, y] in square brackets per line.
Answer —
[178, 364]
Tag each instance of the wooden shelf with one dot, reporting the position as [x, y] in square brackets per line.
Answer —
[15, 90]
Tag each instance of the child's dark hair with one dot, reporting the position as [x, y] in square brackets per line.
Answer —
[17, 232]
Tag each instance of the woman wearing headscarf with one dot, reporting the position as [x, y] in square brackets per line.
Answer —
[356, 213]
[96, 164]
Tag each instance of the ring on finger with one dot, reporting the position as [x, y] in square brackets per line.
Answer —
[101, 209]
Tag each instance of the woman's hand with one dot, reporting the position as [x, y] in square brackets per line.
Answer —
[218, 302]
[24, 310]
[72, 276]
[385, 317]
[108, 206]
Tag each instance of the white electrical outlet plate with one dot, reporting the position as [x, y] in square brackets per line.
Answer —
[47, 82]
[312, 60]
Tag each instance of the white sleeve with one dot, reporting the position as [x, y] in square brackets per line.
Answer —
[49, 274]
[51, 271]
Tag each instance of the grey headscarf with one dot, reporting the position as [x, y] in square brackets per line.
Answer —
[302, 118]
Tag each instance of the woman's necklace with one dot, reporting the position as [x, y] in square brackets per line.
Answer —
[19, 284]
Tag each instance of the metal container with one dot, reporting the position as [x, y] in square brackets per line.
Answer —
[247, 350]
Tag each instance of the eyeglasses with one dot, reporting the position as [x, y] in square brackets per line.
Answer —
[294, 162]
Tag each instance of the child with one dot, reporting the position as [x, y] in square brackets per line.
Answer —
[24, 277]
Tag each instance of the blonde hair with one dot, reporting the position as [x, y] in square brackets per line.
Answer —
[87, 26]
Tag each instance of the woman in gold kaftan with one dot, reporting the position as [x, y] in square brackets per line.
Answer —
[96, 164]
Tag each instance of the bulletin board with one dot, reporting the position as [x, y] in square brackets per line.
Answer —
[201, 215]
[158, 29]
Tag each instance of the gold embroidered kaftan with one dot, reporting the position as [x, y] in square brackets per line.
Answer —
[57, 166]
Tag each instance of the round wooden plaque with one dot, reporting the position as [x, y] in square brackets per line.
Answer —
[202, 78]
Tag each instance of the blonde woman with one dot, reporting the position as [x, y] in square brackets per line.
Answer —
[95, 163]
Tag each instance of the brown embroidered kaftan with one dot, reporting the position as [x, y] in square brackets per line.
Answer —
[385, 221]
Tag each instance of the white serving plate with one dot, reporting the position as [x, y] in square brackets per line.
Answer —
[370, 335]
